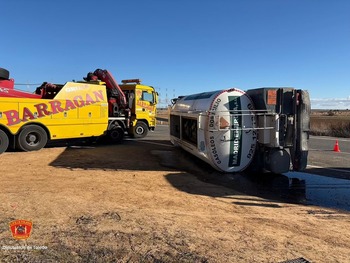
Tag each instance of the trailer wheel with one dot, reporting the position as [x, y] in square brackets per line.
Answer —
[32, 138]
[4, 141]
[116, 134]
[140, 130]
[4, 73]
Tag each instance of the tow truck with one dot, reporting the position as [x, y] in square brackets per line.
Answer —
[94, 107]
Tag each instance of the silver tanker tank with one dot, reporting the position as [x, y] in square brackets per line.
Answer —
[218, 127]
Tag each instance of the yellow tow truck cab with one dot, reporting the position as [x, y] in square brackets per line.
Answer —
[142, 101]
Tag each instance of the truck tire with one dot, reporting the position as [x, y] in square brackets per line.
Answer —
[4, 141]
[116, 134]
[4, 73]
[140, 130]
[32, 138]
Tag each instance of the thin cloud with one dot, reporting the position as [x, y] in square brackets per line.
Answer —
[331, 104]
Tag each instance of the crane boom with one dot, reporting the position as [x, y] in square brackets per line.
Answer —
[113, 88]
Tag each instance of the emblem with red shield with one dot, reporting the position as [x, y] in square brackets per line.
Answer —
[21, 229]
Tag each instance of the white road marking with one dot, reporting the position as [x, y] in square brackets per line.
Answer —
[310, 149]
[330, 138]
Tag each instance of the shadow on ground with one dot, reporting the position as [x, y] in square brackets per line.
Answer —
[334, 172]
[268, 186]
[244, 189]
[160, 155]
[130, 155]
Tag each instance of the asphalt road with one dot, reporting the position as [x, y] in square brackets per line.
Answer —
[324, 160]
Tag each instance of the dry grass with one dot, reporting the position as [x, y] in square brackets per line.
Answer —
[330, 123]
[162, 116]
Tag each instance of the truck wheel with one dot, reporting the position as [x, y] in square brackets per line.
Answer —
[4, 73]
[116, 134]
[32, 138]
[4, 141]
[140, 130]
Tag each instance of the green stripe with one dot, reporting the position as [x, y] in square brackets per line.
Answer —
[236, 135]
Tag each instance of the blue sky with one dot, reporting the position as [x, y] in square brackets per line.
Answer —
[183, 46]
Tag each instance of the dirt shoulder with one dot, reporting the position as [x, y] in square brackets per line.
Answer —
[118, 203]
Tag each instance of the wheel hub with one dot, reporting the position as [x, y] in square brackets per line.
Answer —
[139, 130]
[32, 139]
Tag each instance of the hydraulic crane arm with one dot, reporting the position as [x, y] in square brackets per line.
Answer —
[113, 88]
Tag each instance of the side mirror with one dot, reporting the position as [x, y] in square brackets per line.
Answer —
[155, 97]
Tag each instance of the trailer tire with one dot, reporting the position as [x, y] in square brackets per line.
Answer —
[32, 138]
[4, 141]
[116, 134]
[4, 73]
[140, 130]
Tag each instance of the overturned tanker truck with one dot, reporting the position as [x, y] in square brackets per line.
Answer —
[265, 129]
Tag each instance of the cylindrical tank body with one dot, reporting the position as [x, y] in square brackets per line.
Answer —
[218, 127]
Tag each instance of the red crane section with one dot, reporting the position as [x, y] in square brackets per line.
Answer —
[113, 89]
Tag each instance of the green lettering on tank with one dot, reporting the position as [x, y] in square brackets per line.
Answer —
[236, 131]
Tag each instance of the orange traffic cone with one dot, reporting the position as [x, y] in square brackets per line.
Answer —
[336, 147]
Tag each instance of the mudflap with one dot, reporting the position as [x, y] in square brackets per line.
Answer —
[299, 152]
